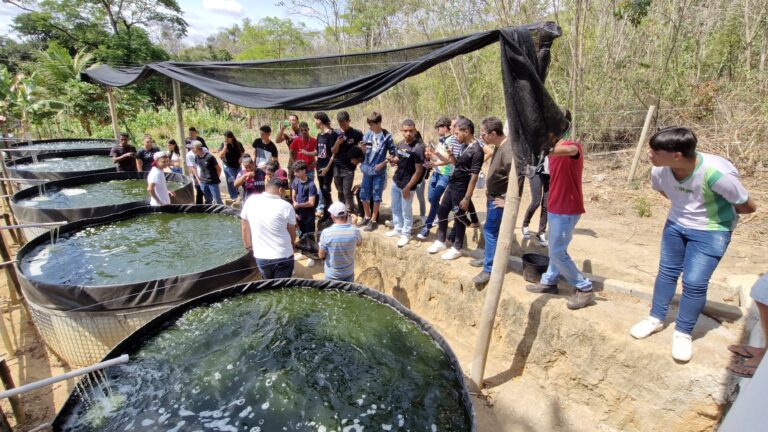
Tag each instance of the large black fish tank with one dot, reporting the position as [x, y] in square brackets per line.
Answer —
[92, 282]
[279, 355]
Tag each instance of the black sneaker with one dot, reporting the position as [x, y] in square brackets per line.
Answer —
[482, 278]
[477, 262]
[371, 226]
[581, 299]
[364, 222]
[542, 289]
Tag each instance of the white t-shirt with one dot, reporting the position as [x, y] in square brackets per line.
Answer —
[157, 176]
[705, 199]
[269, 216]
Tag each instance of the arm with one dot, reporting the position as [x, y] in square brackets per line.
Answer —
[748, 207]
[292, 232]
[464, 204]
[218, 170]
[561, 149]
[413, 181]
[321, 253]
[139, 165]
[488, 152]
[245, 231]
[240, 180]
[152, 193]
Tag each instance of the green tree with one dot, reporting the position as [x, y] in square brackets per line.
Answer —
[272, 38]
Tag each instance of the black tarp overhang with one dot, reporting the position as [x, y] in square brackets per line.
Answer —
[338, 81]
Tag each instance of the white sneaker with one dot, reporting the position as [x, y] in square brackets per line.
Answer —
[403, 240]
[436, 247]
[542, 239]
[298, 256]
[392, 233]
[646, 327]
[388, 223]
[682, 347]
[452, 254]
[421, 236]
[526, 233]
[310, 262]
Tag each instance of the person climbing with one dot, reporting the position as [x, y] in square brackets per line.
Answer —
[706, 198]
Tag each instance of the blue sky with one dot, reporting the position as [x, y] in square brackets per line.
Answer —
[205, 17]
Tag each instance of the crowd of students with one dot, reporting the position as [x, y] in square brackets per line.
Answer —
[283, 211]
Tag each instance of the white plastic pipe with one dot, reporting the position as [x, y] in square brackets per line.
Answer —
[65, 376]
[34, 225]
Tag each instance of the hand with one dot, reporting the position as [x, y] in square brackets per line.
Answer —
[429, 164]
[250, 174]
[172, 193]
[340, 140]
[380, 166]
[355, 188]
[296, 207]
[394, 160]
[323, 172]
[304, 152]
[499, 202]
[464, 204]
[406, 193]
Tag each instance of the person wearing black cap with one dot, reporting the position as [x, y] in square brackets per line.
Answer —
[124, 155]
[269, 230]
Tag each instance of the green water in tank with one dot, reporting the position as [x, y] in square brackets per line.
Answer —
[137, 249]
[296, 359]
[92, 194]
[69, 164]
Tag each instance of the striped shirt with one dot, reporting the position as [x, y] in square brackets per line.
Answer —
[339, 243]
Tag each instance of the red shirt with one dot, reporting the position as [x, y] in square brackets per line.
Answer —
[565, 196]
[309, 145]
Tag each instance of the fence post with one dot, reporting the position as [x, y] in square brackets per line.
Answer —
[641, 142]
[113, 113]
[7, 379]
[180, 125]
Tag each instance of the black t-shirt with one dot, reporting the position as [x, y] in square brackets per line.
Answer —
[264, 151]
[234, 153]
[127, 164]
[146, 157]
[469, 161]
[409, 157]
[206, 169]
[342, 165]
[325, 142]
[189, 141]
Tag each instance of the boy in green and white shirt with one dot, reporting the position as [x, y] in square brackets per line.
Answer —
[706, 197]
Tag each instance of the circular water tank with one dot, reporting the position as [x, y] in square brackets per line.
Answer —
[29, 148]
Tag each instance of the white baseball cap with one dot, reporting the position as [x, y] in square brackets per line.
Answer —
[337, 209]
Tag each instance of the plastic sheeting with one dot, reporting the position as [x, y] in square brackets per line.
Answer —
[53, 175]
[26, 214]
[333, 82]
[133, 343]
[94, 298]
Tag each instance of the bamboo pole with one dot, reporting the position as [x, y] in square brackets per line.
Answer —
[493, 290]
[113, 113]
[180, 124]
[7, 379]
[641, 142]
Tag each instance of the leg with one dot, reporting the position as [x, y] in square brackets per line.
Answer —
[230, 174]
[366, 193]
[670, 266]
[472, 213]
[349, 197]
[407, 206]
[460, 229]
[216, 194]
[491, 234]
[442, 215]
[207, 193]
[199, 195]
[321, 185]
[544, 197]
[265, 268]
[397, 207]
[420, 196]
[379, 184]
[283, 268]
[703, 252]
[563, 261]
[536, 192]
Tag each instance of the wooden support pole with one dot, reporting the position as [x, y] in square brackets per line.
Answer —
[641, 143]
[14, 288]
[493, 290]
[180, 124]
[113, 113]
[7, 379]
[6, 338]
[4, 425]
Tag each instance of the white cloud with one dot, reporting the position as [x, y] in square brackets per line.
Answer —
[231, 7]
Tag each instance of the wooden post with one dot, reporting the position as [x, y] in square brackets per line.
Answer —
[113, 113]
[493, 290]
[4, 425]
[14, 288]
[6, 338]
[7, 379]
[641, 143]
[180, 124]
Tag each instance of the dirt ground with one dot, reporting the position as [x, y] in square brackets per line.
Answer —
[611, 240]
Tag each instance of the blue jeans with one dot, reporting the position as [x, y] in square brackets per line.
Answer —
[402, 211]
[231, 175]
[279, 268]
[560, 263]
[695, 254]
[491, 233]
[437, 185]
[373, 187]
[211, 193]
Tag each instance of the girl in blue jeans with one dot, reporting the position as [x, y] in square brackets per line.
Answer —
[706, 197]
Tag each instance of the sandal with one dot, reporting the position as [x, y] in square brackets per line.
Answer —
[745, 351]
[742, 374]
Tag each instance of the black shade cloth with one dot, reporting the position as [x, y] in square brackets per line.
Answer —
[76, 144]
[133, 343]
[332, 82]
[27, 214]
[92, 298]
[53, 175]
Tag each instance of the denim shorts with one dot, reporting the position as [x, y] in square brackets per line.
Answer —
[373, 187]
[759, 291]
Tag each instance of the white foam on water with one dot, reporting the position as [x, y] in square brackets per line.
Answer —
[265, 405]
[147, 422]
[230, 367]
[36, 265]
[73, 192]
[255, 429]
[434, 428]
[178, 426]
[386, 427]
[400, 420]
[221, 425]
[185, 412]
[246, 411]
[321, 428]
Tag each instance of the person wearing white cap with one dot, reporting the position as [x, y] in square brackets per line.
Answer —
[338, 243]
[156, 186]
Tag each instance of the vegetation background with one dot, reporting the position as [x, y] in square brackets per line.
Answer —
[704, 63]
